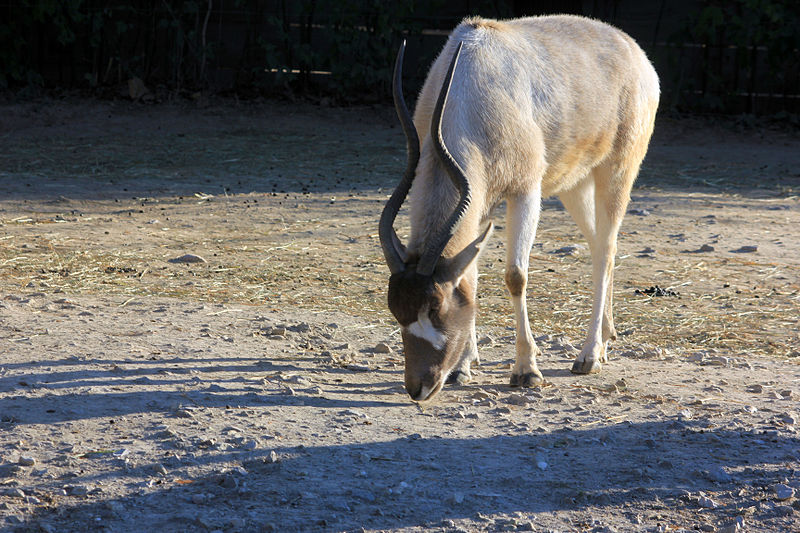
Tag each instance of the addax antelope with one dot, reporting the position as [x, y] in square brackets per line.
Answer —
[511, 111]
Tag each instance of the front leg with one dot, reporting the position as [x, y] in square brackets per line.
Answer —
[462, 374]
[522, 219]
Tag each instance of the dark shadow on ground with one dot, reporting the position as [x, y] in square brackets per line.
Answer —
[189, 385]
[414, 481]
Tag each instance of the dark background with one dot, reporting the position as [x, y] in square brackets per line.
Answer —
[733, 56]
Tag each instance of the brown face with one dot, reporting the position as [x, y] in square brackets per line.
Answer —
[435, 321]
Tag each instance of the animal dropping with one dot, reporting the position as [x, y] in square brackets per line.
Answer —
[513, 111]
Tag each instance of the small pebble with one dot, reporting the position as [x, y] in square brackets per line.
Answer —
[639, 212]
[486, 340]
[707, 503]
[789, 419]
[277, 331]
[737, 525]
[382, 347]
[757, 389]
[14, 493]
[302, 327]
[26, 461]
[519, 399]
[783, 492]
[228, 481]
[746, 249]
[719, 361]
[9, 470]
[717, 473]
[76, 490]
[706, 248]
[187, 258]
[784, 510]
[571, 249]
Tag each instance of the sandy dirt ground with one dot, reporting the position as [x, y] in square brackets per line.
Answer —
[253, 391]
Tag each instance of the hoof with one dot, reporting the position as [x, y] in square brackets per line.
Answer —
[458, 377]
[531, 379]
[586, 367]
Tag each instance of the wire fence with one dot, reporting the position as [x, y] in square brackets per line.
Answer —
[738, 56]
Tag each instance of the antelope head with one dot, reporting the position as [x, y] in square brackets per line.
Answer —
[429, 294]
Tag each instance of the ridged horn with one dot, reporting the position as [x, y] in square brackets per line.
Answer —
[437, 243]
[392, 248]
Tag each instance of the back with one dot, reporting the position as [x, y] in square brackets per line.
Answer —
[540, 98]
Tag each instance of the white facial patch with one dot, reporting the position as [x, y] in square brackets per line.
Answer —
[423, 328]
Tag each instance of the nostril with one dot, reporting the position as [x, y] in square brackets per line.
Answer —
[422, 393]
[414, 391]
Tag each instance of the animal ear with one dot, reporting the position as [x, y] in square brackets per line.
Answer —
[454, 268]
[399, 247]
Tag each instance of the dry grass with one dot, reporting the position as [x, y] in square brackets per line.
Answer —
[289, 220]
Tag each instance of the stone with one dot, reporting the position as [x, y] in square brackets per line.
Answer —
[14, 493]
[76, 490]
[570, 249]
[486, 340]
[719, 361]
[783, 492]
[707, 503]
[302, 327]
[274, 331]
[784, 510]
[718, 474]
[187, 258]
[25, 460]
[519, 399]
[382, 347]
[9, 470]
[747, 249]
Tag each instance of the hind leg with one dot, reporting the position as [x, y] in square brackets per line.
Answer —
[598, 205]
[580, 204]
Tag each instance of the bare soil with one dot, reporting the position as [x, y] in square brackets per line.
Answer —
[247, 392]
